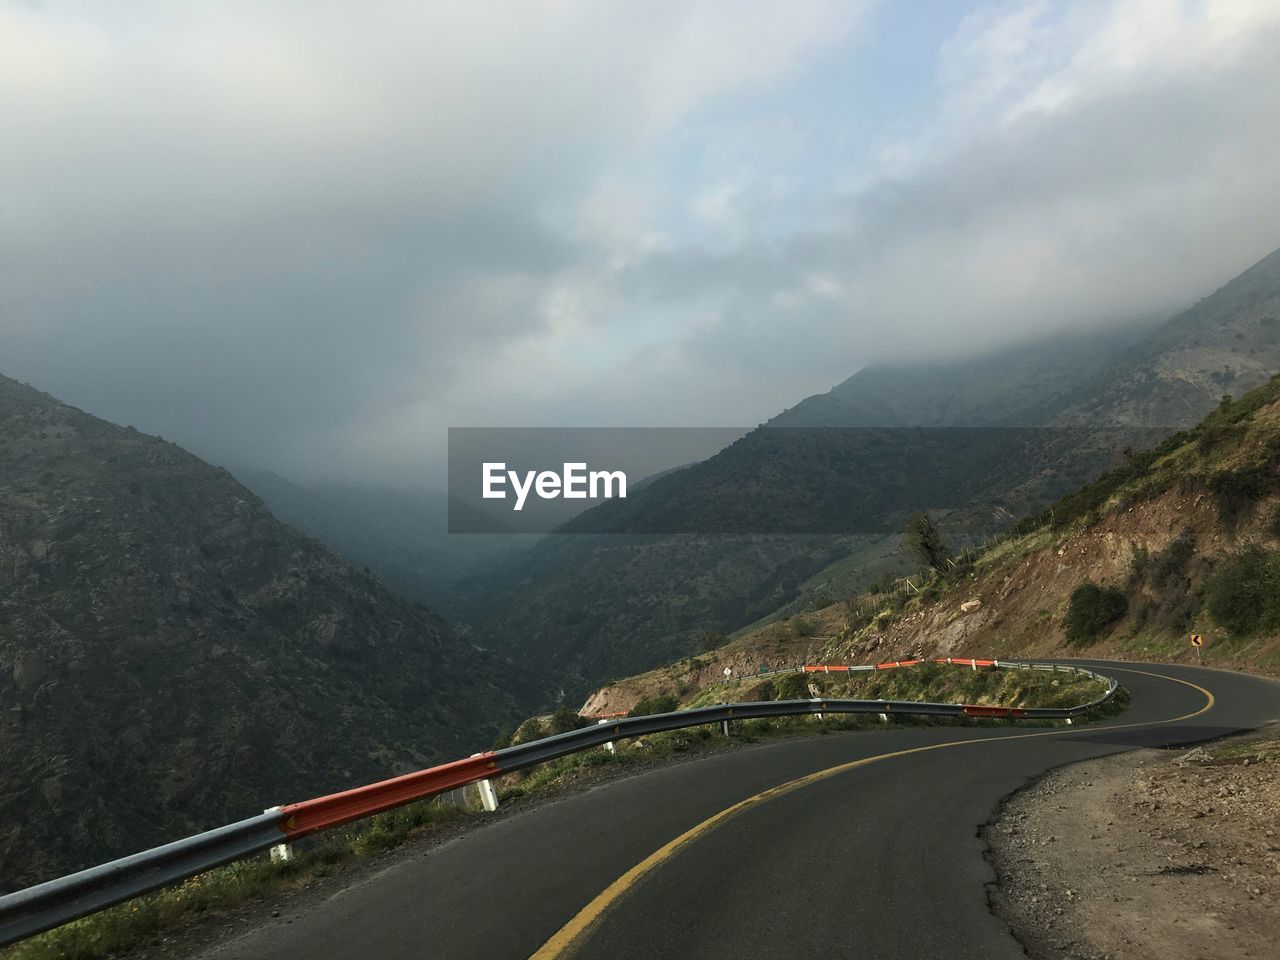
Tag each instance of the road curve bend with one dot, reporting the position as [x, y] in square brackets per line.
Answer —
[861, 844]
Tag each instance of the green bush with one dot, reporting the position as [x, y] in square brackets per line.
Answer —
[1243, 594]
[663, 703]
[1172, 561]
[564, 720]
[1092, 610]
[531, 729]
[791, 687]
[1139, 562]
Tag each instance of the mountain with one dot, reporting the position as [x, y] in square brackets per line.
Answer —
[1182, 539]
[173, 657]
[629, 592]
[1011, 386]
[401, 535]
[1226, 344]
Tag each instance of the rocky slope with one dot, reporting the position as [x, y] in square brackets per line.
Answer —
[172, 656]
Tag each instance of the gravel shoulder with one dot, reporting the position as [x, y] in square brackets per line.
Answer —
[1155, 854]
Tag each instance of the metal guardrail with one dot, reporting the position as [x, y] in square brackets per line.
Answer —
[51, 904]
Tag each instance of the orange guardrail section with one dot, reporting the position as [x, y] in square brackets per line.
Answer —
[336, 809]
[975, 710]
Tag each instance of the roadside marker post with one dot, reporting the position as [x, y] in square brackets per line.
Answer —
[281, 852]
[608, 746]
[488, 795]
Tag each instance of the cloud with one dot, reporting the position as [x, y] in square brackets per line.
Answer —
[1079, 169]
[313, 238]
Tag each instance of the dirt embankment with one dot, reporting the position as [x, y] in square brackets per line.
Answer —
[685, 678]
[1023, 598]
[1147, 856]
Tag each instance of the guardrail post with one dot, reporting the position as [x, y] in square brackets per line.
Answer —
[608, 746]
[488, 796]
[974, 663]
[884, 718]
[281, 852]
[724, 727]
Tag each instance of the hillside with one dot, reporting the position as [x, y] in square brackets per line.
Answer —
[401, 535]
[1186, 536]
[595, 607]
[173, 657]
[1227, 343]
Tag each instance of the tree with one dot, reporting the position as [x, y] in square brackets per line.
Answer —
[924, 541]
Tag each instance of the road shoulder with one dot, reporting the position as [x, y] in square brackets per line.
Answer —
[1153, 854]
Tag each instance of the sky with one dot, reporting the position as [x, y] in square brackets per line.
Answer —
[311, 237]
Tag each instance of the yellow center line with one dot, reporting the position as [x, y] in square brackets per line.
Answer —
[566, 937]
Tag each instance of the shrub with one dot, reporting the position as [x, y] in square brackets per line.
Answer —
[564, 720]
[1139, 561]
[1172, 561]
[531, 729]
[1092, 610]
[1176, 601]
[882, 584]
[662, 703]
[1243, 594]
[791, 687]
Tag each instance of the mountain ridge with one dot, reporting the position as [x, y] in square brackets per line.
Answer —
[173, 657]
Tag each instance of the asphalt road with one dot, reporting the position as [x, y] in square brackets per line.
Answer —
[879, 859]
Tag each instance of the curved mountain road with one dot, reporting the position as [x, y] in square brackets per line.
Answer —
[863, 845]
